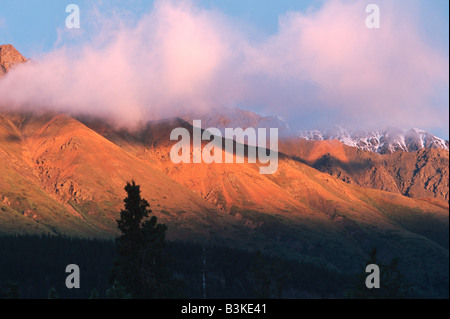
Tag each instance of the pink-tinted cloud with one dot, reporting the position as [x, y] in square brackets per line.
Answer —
[180, 57]
[166, 62]
[381, 76]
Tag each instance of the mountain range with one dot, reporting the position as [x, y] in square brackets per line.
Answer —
[385, 141]
[328, 203]
[410, 162]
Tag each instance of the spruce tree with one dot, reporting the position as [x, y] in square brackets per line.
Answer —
[117, 291]
[94, 294]
[140, 267]
[52, 293]
[268, 277]
[10, 290]
[392, 282]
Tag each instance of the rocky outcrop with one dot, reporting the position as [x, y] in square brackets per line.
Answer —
[9, 58]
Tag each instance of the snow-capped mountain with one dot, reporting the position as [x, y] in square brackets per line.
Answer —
[383, 142]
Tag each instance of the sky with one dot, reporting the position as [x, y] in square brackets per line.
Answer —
[315, 63]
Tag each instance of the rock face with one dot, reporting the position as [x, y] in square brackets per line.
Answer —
[9, 57]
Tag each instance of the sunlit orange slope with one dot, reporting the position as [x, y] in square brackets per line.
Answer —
[81, 176]
[295, 191]
[60, 176]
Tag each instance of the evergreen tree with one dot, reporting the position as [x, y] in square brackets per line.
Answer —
[395, 286]
[268, 278]
[392, 282]
[52, 293]
[117, 291]
[10, 290]
[261, 278]
[141, 265]
[94, 294]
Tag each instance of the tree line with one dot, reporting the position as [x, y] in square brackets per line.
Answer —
[141, 263]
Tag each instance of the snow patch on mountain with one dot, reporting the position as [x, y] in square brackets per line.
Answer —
[385, 141]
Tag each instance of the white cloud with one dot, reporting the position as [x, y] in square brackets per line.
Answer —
[181, 57]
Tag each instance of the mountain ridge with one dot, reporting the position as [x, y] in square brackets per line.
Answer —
[385, 141]
[52, 162]
[420, 174]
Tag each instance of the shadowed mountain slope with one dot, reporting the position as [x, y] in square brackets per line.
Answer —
[421, 174]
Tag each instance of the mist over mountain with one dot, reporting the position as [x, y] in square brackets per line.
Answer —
[235, 117]
[180, 57]
[386, 141]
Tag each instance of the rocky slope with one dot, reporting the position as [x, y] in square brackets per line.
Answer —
[411, 162]
[58, 176]
[420, 174]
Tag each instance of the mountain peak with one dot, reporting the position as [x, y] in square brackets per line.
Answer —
[9, 57]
